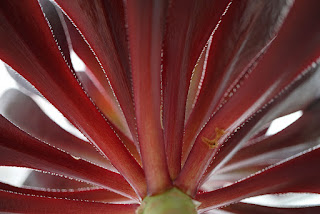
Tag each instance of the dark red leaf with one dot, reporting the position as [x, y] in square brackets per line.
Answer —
[22, 82]
[301, 135]
[146, 67]
[297, 174]
[222, 178]
[196, 82]
[241, 37]
[20, 149]
[89, 193]
[27, 115]
[58, 27]
[111, 111]
[108, 44]
[95, 82]
[38, 179]
[21, 203]
[102, 95]
[294, 53]
[23, 39]
[305, 90]
[244, 208]
[189, 25]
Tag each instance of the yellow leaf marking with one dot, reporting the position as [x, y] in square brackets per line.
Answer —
[214, 142]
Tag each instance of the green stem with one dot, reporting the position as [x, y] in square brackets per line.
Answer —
[172, 201]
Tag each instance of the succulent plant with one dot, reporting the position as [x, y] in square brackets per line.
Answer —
[174, 102]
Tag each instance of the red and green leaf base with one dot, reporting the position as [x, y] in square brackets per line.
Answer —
[172, 201]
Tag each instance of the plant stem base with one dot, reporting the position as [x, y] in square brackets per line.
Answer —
[172, 201]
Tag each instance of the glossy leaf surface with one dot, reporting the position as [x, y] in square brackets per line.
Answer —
[183, 43]
[15, 202]
[20, 149]
[277, 179]
[146, 68]
[109, 45]
[27, 115]
[241, 208]
[229, 119]
[57, 82]
[91, 194]
[252, 25]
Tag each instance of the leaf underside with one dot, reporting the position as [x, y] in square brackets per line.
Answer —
[173, 94]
